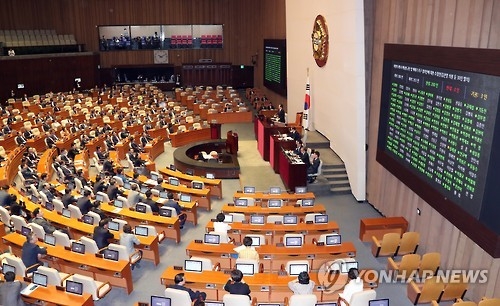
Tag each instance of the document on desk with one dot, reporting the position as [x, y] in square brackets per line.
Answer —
[30, 288]
[117, 210]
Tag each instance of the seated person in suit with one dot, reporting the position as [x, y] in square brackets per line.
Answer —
[235, 285]
[20, 140]
[31, 253]
[304, 156]
[180, 281]
[113, 191]
[68, 198]
[40, 220]
[149, 201]
[313, 168]
[101, 234]
[294, 134]
[10, 291]
[84, 202]
[178, 209]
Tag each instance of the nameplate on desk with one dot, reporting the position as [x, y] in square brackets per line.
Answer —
[99, 255]
[311, 256]
[278, 222]
[244, 222]
[198, 241]
[264, 288]
[83, 267]
[178, 268]
[320, 288]
[147, 247]
[269, 233]
[282, 273]
[320, 243]
[210, 286]
[224, 255]
[117, 274]
[309, 222]
[267, 257]
[230, 204]
[351, 254]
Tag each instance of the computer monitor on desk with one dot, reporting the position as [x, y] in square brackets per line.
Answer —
[257, 219]
[210, 176]
[88, 219]
[40, 279]
[161, 301]
[333, 239]
[241, 202]
[293, 241]
[165, 212]
[193, 265]
[249, 189]
[154, 176]
[189, 171]
[141, 231]
[300, 189]
[295, 269]
[140, 208]
[113, 226]
[50, 239]
[290, 219]
[321, 219]
[307, 202]
[74, 287]
[173, 181]
[348, 265]
[185, 197]
[379, 302]
[99, 197]
[111, 254]
[78, 247]
[275, 190]
[274, 203]
[6, 268]
[25, 231]
[211, 239]
[118, 203]
[246, 268]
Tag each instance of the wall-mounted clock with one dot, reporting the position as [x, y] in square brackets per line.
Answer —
[319, 39]
[160, 56]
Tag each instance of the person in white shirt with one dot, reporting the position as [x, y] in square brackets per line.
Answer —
[354, 285]
[220, 226]
[303, 284]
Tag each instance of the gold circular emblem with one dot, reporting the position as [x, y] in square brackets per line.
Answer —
[319, 39]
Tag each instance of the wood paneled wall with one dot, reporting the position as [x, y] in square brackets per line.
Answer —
[458, 23]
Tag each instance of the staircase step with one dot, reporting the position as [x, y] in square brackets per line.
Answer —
[341, 190]
[335, 177]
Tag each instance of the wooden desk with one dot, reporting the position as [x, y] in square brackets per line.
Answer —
[293, 171]
[215, 185]
[184, 138]
[51, 295]
[289, 198]
[9, 168]
[45, 162]
[272, 256]
[276, 144]
[264, 130]
[66, 142]
[117, 273]
[170, 226]
[266, 287]
[202, 196]
[299, 211]
[276, 231]
[38, 143]
[155, 148]
[378, 227]
[8, 142]
[230, 117]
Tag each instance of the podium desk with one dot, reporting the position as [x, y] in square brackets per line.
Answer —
[289, 198]
[230, 117]
[275, 232]
[265, 128]
[215, 185]
[51, 295]
[265, 287]
[169, 226]
[276, 144]
[202, 196]
[272, 256]
[155, 148]
[293, 171]
[378, 227]
[117, 273]
[300, 211]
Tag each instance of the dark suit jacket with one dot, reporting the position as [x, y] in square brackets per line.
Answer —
[84, 204]
[101, 236]
[313, 168]
[281, 115]
[193, 295]
[237, 288]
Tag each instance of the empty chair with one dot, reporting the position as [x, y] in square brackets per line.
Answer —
[78, 185]
[274, 219]
[236, 300]
[430, 290]
[58, 205]
[197, 126]
[238, 217]
[206, 263]
[298, 263]
[489, 302]
[181, 128]
[17, 263]
[124, 254]
[360, 298]
[37, 229]
[429, 265]
[302, 300]
[311, 217]
[257, 268]
[54, 277]
[387, 247]
[43, 197]
[406, 268]
[118, 180]
[124, 201]
[95, 288]
[153, 232]
[18, 222]
[62, 239]
[75, 211]
[95, 216]
[5, 217]
[105, 198]
[454, 289]
[409, 243]
[90, 245]
[36, 132]
[148, 208]
[180, 297]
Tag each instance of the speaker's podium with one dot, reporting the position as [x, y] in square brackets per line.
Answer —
[232, 142]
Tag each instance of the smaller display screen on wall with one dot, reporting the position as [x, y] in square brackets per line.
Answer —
[275, 65]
